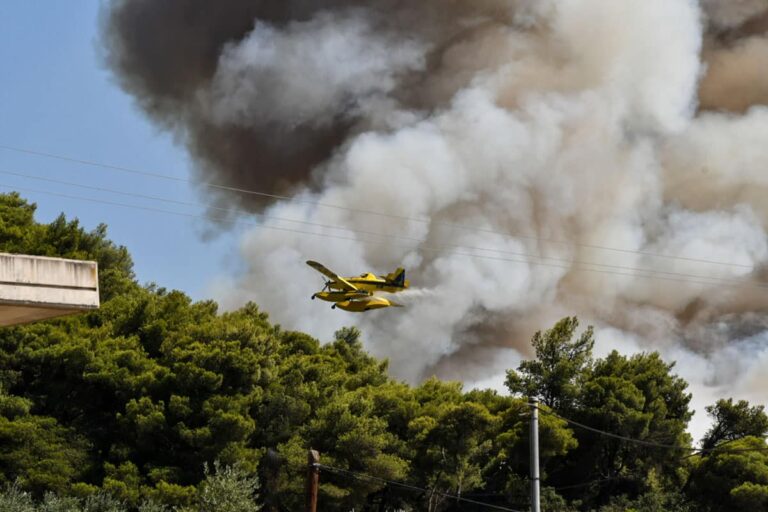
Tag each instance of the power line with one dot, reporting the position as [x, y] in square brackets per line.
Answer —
[651, 443]
[615, 436]
[592, 482]
[648, 275]
[187, 203]
[359, 210]
[364, 476]
[714, 280]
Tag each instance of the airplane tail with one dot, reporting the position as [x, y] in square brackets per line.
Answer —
[397, 278]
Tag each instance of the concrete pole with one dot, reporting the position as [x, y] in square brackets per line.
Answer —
[535, 503]
[313, 480]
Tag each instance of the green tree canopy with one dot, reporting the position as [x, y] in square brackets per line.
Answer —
[733, 421]
[35, 450]
[554, 375]
[637, 397]
[732, 477]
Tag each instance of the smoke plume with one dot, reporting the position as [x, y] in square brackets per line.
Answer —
[506, 147]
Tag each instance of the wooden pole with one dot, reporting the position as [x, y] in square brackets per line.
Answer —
[313, 479]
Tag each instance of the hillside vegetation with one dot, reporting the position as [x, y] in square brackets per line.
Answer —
[155, 401]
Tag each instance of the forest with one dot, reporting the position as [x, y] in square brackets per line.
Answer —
[158, 403]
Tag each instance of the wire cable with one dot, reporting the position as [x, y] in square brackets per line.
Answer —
[615, 436]
[433, 249]
[591, 482]
[240, 212]
[364, 476]
[651, 444]
[266, 195]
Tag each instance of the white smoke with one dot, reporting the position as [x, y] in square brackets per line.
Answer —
[724, 157]
[309, 71]
[570, 126]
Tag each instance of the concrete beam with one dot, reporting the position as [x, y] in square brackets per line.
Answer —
[37, 288]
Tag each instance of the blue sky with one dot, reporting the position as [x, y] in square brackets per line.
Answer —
[57, 97]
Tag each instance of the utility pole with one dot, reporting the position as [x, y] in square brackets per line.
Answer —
[535, 504]
[313, 479]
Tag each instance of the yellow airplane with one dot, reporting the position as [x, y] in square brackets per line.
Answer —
[357, 293]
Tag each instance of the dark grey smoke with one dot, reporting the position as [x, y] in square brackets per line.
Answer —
[165, 52]
[167, 55]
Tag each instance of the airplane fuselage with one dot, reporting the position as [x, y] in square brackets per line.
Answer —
[371, 283]
[338, 296]
[358, 306]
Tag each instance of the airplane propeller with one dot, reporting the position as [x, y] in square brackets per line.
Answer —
[326, 286]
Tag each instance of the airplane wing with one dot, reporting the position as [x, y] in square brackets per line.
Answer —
[343, 283]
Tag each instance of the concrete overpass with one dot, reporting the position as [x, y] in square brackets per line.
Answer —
[37, 288]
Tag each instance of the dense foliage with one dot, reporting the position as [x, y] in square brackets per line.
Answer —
[156, 401]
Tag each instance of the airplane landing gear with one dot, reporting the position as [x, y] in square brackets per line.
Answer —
[333, 307]
[313, 296]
